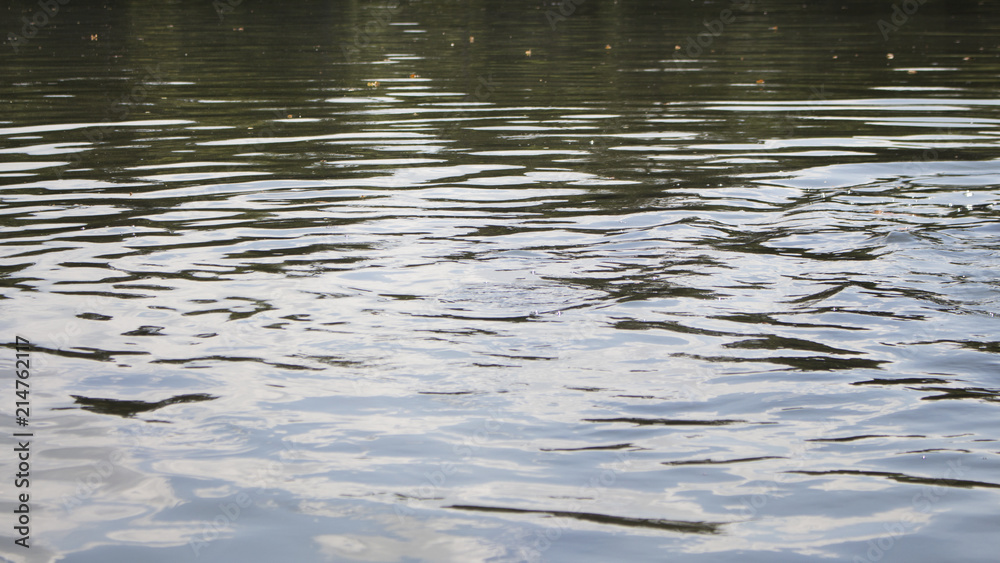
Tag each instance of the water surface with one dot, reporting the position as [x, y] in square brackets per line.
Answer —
[467, 281]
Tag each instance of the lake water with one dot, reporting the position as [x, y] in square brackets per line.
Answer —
[519, 281]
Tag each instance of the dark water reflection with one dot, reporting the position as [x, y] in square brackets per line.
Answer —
[466, 281]
[128, 409]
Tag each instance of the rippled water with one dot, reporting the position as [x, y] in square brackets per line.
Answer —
[478, 283]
